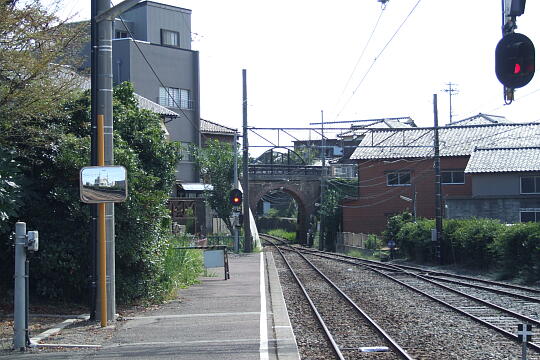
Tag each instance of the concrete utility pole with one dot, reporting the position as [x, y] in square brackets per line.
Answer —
[245, 183]
[322, 236]
[451, 91]
[235, 186]
[19, 315]
[438, 188]
[102, 75]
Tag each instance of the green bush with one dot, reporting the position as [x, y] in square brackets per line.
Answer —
[414, 240]
[517, 250]
[476, 243]
[472, 241]
[373, 242]
[51, 205]
[394, 224]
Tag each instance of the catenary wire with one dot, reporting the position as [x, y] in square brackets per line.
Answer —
[377, 57]
[361, 55]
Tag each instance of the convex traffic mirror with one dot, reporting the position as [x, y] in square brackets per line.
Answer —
[103, 184]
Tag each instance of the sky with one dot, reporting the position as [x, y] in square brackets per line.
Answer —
[350, 59]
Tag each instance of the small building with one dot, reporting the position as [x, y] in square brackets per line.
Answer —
[484, 169]
[505, 186]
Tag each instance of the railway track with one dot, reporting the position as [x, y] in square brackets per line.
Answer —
[498, 306]
[348, 329]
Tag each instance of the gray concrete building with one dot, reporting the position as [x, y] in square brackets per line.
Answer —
[505, 185]
[152, 50]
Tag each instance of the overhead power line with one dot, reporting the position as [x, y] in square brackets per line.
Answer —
[361, 54]
[377, 57]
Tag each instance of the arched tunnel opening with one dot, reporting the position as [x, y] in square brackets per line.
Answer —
[281, 211]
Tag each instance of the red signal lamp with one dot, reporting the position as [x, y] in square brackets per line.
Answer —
[515, 60]
[235, 197]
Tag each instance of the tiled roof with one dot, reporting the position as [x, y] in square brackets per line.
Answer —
[454, 141]
[357, 130]
[146, 104]
[481, 119]
[504, 160]
[215, 128]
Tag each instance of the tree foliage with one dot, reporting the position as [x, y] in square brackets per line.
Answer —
[36, 48]
[216, 162]
[52, 205]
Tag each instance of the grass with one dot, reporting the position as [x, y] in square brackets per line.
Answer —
[290, 236]
[370, 254]
[182, 267]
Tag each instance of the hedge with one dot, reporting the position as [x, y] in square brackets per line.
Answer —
[512, 250]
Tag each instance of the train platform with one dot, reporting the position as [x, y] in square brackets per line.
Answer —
[244, 317]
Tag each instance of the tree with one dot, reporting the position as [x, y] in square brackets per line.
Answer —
[52, 205]
[216, 162]
[36, 50]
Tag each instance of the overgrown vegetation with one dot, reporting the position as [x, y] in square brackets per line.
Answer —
[182, 266]
[288, 235]
[513, 251]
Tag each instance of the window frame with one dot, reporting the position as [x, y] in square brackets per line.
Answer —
[535, 211]
[452, 172]
[164, 32]
[118, 34]
[536, 185]
[184, 150]
[399, 175]
[175, 98]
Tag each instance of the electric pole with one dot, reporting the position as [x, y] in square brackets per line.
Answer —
[451, 91]
[245, 183]
[103, 16]
[438, 187]
[322, 234]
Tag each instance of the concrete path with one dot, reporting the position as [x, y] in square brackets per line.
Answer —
[244, 317]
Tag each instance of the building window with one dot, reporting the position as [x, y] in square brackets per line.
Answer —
[527, 215]
[174, 97]
[119, 34]
[170, 38]
[398, 178]
[453, 177]
[185, 152]
[530, 185]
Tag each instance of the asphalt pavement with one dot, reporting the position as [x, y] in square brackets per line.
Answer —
[244, 317]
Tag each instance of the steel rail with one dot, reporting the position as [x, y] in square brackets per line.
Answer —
[402, 353]
[439, 273]
[393, 344]
[475, 318]
[481, 287]
[329, 336]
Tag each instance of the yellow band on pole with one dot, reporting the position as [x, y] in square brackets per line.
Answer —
[102, 226]
[102, 264]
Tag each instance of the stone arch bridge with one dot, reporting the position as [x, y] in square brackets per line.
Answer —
[302, 183]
